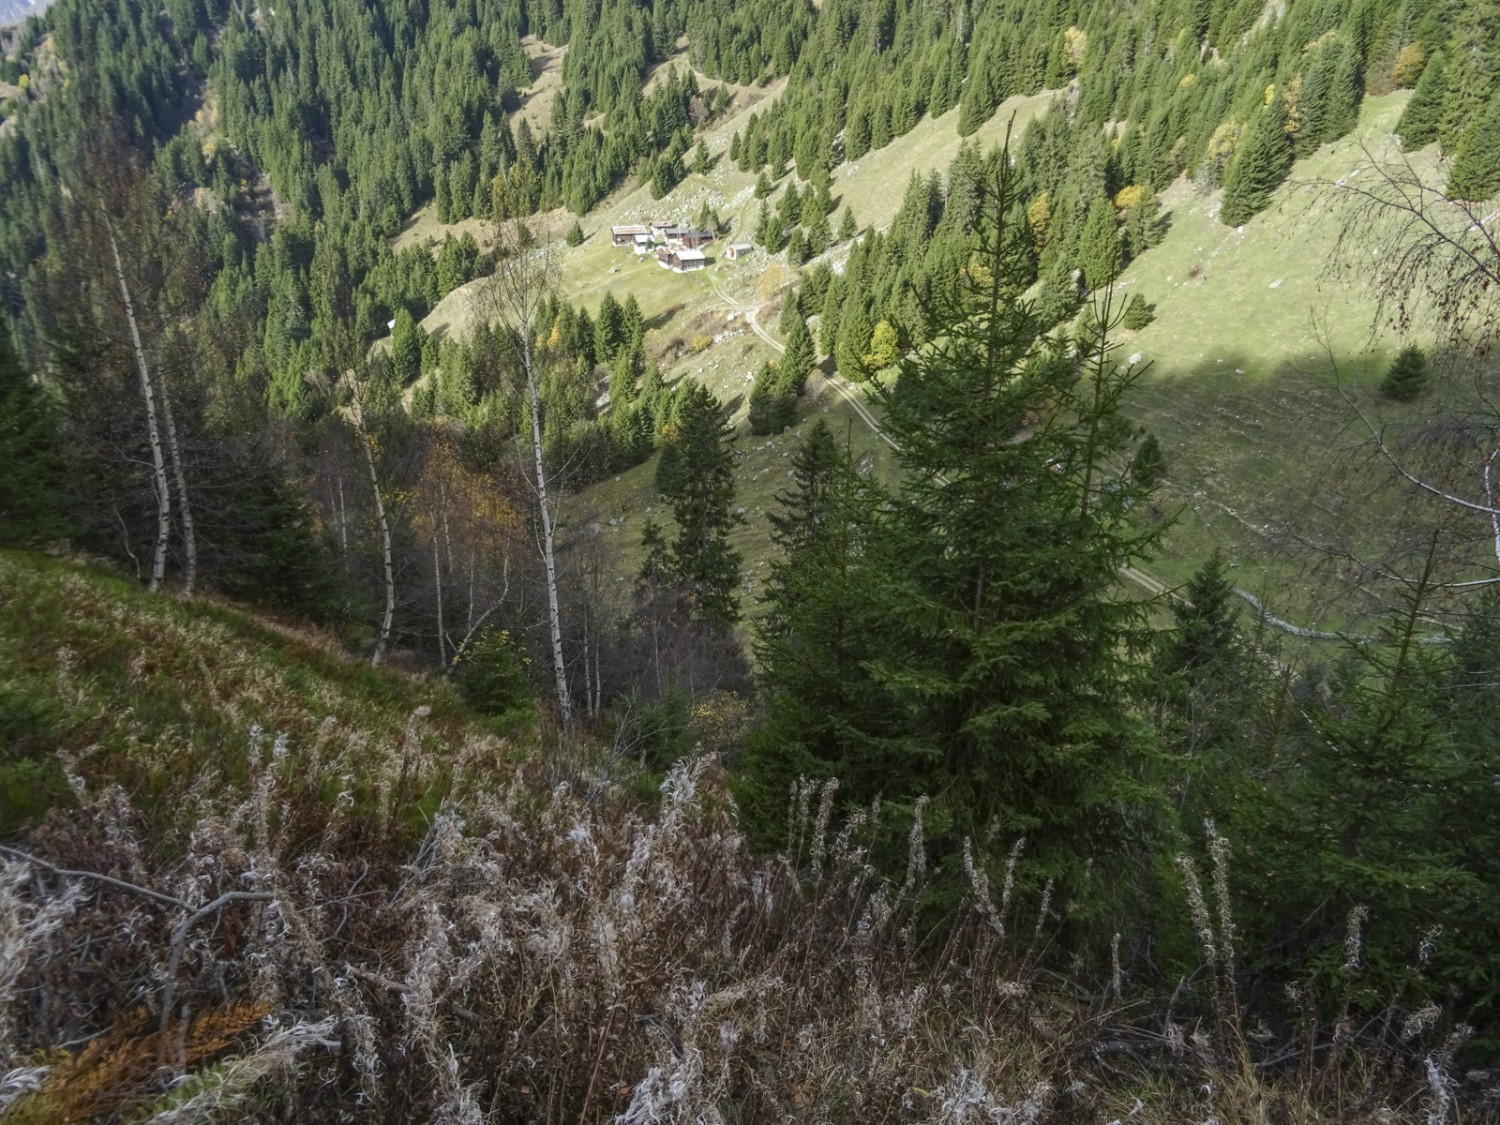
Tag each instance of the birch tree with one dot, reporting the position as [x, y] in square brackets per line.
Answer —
[525, 272]
[153, 428]
[119, 280]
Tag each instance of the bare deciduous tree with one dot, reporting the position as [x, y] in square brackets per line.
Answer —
[526, 272]
[1431, 263]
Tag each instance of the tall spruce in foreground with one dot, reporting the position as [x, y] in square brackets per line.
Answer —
[1262, 162]
[30, 469]
[997, 655]
[696, 477]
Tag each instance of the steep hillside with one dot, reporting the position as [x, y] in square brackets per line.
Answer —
[103, 685]
[273, 888]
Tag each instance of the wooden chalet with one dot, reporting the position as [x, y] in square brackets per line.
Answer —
[680, 260]
[626, 236]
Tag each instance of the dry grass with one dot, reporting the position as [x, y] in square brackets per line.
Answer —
[540, 948]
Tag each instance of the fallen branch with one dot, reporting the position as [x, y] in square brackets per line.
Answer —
[107, 880]
[179, 940]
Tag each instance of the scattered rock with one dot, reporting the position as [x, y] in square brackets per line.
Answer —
[1135, 357]
[1275, 284]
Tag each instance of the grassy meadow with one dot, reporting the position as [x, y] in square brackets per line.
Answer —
[1252, 351]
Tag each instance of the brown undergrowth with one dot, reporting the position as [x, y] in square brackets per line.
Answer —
[308, 939]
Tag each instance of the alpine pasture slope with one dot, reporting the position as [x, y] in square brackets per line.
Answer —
[1251, 341]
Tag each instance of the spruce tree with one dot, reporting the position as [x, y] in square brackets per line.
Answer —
[1313, 104]
[696, 477]
[1363, 817]
[575, 234]
[798, 359]
[1138, 313]
[1144, 227]
[407, 341]
[1208, 685]
[1261, 163]
[1003, 648]
[609, 328]
[1149, 465]
[1099, 253]
[853, 339]
[1419, 121]
[1341, 111]
[31, 471]
[847, 227]
[633, 327]
[797, 250]
[809, 642]
[1476, 166]
[773, 400]
[818, 234]
[1407, 377]
[1472, 70]
[1205, 632]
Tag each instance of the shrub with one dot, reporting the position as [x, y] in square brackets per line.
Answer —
[1407, 377]
[1138, 313]
[491, 675]
[1149, 464]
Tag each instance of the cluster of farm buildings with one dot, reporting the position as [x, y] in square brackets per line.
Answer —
[676, 247]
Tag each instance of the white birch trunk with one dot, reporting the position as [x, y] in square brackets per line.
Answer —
[437, 574]
[189, 533]
[343, 522]
[385, 547]
[554, 617]
[153, 431]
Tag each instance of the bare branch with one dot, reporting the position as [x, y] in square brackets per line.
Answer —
[107, 880]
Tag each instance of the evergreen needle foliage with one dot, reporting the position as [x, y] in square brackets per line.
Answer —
[1260, 164]
[1408, 374]
[696, 477]
[1476, 165]
[31, 471]
[1419, 121]
[986, 662]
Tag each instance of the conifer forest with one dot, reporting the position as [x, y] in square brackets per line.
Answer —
[747, 561]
